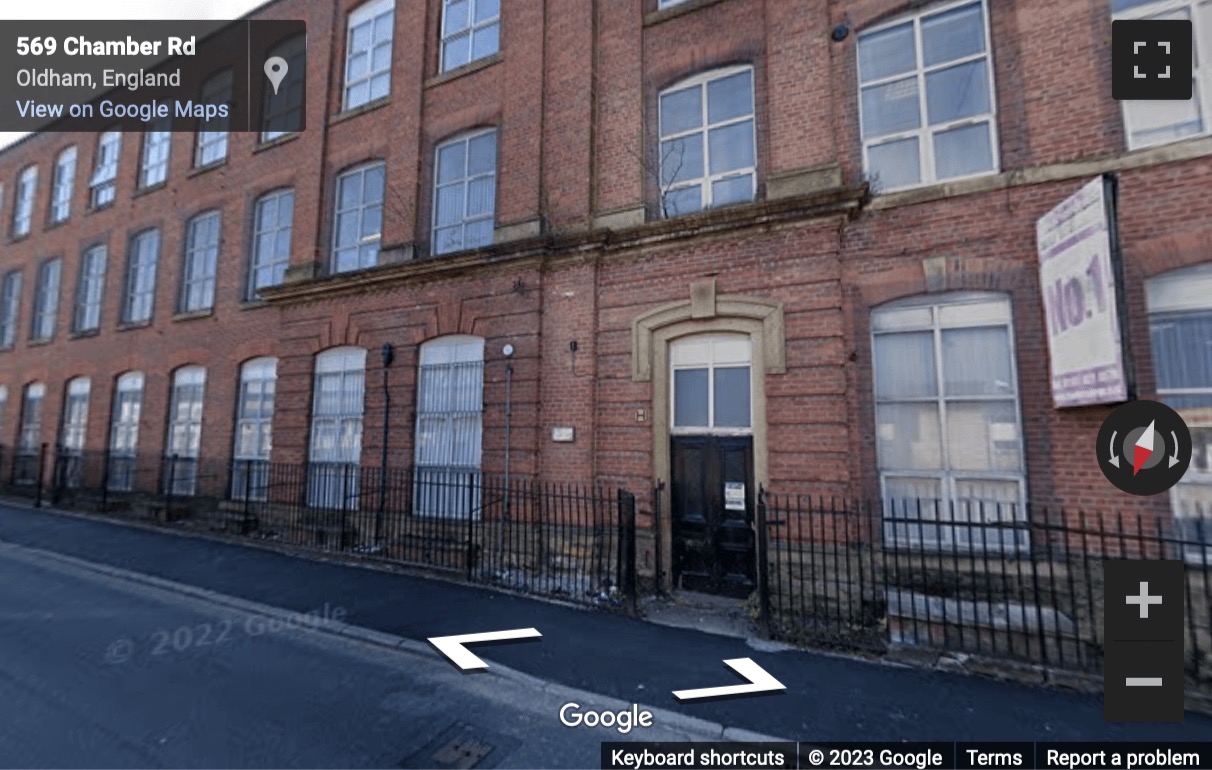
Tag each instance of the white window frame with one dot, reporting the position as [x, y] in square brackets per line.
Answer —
[470, 31]
[464, 182]
[277, 260]
[368, 13]
[157, 150]
[333, 474]
[103, 184]
[139, 300]
[90, 289]
[974, 310]
[253, 441]
[1176, 293]
[210, 146]
[706, 182]
[925, 132]
[10, 307]
[23, 204]
[125, 414]
[200, 268]
[663, 4]
[183, 438]
[707, 352]
[3, 406]
[46, 300]
[447, 416]
[364, 240]
[282, 106]
[61, 186]
[33, 402]
[1201, 73]
[73, 434]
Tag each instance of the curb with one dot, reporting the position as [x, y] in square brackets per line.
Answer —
[371, 637]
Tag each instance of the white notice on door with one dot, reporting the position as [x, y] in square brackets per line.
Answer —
[734, 496]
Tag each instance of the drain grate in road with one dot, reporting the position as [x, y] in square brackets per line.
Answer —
[459, 747]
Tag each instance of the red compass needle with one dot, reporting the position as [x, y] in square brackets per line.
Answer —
[1144, 449]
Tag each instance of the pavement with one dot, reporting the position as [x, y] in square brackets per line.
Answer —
[614, 657]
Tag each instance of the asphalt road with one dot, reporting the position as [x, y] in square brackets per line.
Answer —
[828, 698]
[101, 672]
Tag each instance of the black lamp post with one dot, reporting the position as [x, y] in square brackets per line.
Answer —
[388, 354]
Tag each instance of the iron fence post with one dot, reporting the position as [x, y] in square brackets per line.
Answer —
[626, 504]
[105, 481]
[172, 483]
[763, 567]
[470, 526]
[38, 480]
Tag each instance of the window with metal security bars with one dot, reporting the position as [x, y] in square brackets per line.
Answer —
[73, 433]
[90, 290]
[272, 225]
[61, 185]
[211, 144]
[46, 300]
[141, 277]
[465, 192]
[10, 307]
[708, 155]
[124, 432]
[471, 30]
[1154, 122]
[449, 444]
[948, 423]
[1180, 325]
[254, 429]
[358, 218]
[157, 144]
[368, 53]
[336, 429]
[184, 442]
[201, 263]
[23, 205]
[927, 108]
[103, 185]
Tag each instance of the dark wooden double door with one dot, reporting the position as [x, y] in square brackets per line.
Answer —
[713, 498]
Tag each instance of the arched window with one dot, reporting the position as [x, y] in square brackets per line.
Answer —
[184, 440]
[465, 191]
[450, 406]
[707, 153]
[23, 203]
[273, 223]
[948, 425]
[211, 144]
[368, 53]
[358, 217]
[73, 433]
[29, 442]
[103, 185]
[124, 431]
[336, 428]
[254, 428]
[201, 263]
[61, 185]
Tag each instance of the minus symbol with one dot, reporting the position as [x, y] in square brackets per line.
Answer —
[1144, 681]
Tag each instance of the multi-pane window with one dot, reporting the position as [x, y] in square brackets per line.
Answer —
[1148, 123]
[201, 263]
[157, 144]
[103, 185]
[141, 277]
[368, 53]
[282, 112]
[336, 428]
[23, 207]
[450, 405]
[61, 186]
[10, 307]
[46, 300]
[124, 431]
[926, 98]
[712, 384]
[254, 429]
[212, 139]
[708, 156]
[272, 223]
[1180, 322]
[358, 219]
[69, 463]
[948, 425]
[30, 439]
[90, 291]
[465, 192]
[184, 442]
[471, 30]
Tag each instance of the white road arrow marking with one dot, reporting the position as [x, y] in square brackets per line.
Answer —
[452, 646]
[759, 681]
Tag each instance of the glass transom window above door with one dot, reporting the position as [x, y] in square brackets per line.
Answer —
[927, 104]
[948, 424]
[1180, 325]
[711, 382]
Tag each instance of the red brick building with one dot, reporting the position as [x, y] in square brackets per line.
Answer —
[728, 243]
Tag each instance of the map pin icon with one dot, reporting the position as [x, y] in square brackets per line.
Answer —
[275, 70]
